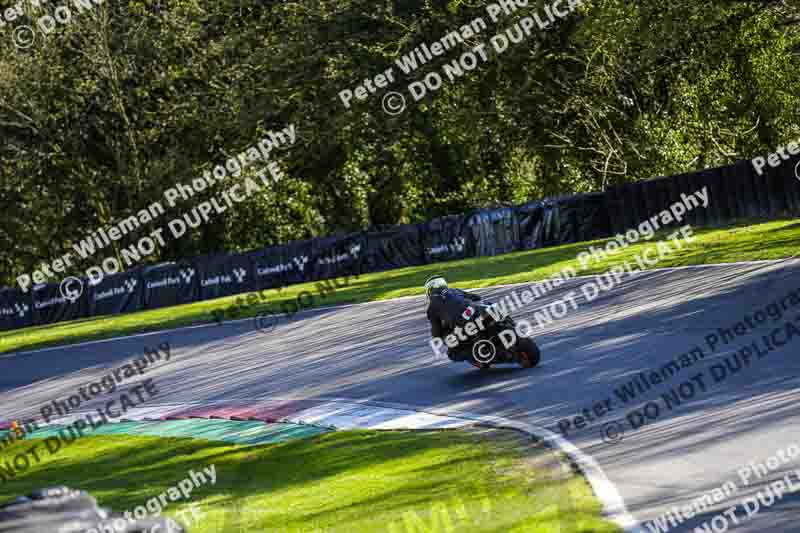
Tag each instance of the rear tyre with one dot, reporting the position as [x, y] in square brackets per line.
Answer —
[528, 353]
[480, 366]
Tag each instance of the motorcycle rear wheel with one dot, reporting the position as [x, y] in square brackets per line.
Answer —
[528, 353]
[480, 366]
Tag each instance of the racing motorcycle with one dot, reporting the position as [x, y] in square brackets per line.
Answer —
[492, 338]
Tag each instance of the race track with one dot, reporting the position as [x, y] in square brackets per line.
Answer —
[379, 352]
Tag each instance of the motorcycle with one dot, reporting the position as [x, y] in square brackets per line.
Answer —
[493, 339]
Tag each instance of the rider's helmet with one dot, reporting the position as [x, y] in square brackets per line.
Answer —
[435, 285]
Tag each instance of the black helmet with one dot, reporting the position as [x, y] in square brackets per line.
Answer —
[434, 284]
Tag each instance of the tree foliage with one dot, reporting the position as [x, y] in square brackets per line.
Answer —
[99, 117]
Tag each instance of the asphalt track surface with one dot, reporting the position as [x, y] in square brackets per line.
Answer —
[379, 352]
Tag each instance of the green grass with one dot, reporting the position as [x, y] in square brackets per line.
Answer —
[771, 240]
[362, 481]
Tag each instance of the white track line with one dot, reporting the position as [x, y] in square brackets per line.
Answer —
[614, 507]
[613, 503]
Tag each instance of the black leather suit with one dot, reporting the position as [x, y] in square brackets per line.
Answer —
[445, 312]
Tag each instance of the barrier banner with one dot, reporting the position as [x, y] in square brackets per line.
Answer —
[168, 284]
[448, 238]
[791, 175]
[496, 231]
[687, 184]
[119, 293]
[394, 247]
[735, 192]
[535, 221]
[16, 309]
[584, 217]
[224, 275]
[336, 256]
[783, 186]
[50, 306]
[278, 266]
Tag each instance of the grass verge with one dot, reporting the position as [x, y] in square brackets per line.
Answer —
[365, 481]
[771, 240]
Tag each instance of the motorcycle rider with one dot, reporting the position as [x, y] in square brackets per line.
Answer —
[446, 307]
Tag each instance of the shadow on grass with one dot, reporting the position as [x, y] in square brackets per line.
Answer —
[102, 463]
[332, 480]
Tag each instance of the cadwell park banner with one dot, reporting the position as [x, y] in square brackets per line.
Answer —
[736, 192]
